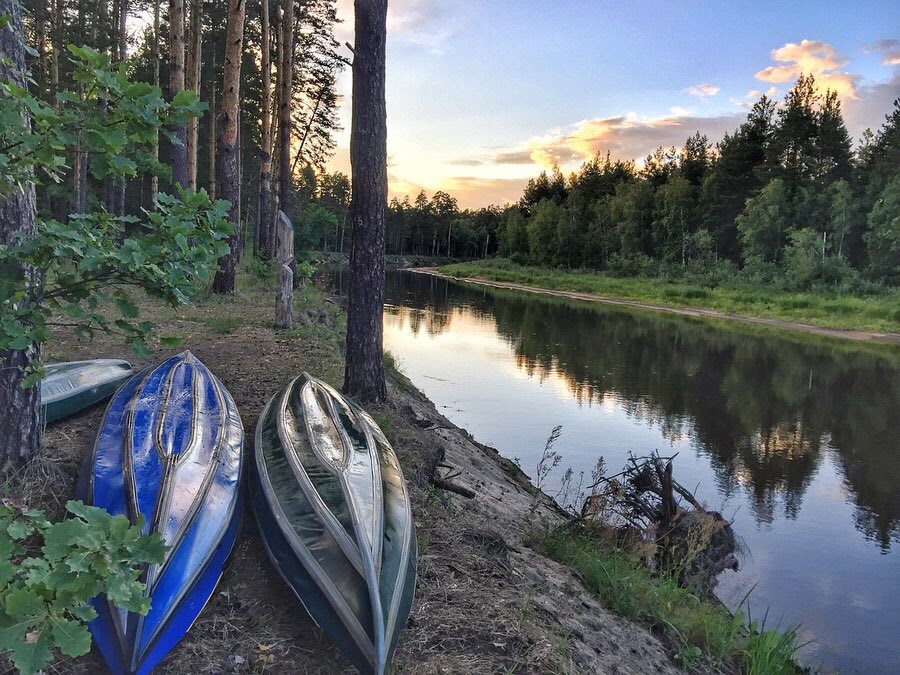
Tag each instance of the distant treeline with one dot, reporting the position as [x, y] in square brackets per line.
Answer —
[783, 198]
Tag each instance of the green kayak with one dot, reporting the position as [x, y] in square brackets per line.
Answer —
[75, 385]
[334, 514]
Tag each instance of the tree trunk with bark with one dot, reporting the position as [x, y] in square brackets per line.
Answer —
[213, 133]
[264, 219]
[364, 370]
[178, 150]
[192, 81]
[154, 179]
[228, 143]
[21, 419]
[285, 82]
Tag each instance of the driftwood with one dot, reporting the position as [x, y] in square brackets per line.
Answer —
[694, 544]
[284, 256]
[642, 494]
[453, 487]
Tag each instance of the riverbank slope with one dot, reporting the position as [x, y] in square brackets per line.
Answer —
[874, 319]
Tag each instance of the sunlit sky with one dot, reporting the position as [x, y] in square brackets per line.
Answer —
[481, 95]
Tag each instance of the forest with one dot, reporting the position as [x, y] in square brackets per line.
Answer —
[787, 198]
[279, 111]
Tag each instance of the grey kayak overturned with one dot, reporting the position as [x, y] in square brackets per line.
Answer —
[72, 386]
[334, 513]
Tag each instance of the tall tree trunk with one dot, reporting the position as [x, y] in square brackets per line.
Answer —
[192, 81]
[364, 370]
[123, 29]
[228, 144]
[154, 179]
[264, 224]
[285, 86]
[21, 419]
[213, 131]
[178, 150]
[60, 204]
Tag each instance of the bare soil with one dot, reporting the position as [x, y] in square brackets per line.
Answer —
[857, 335]
[485, 602]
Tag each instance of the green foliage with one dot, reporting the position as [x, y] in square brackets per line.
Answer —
[50, 571]
[314, 223]
[708, 637]
[93, 259]
[110, 118]
[305, 270]
[702, 214]
[264, 270]
[883, 237]
[802, 257]
[763, 224]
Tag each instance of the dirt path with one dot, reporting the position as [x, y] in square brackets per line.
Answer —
[858, 335]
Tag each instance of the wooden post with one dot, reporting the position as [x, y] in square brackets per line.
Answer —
[284, 256]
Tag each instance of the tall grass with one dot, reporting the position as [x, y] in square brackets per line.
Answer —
[704, 633]
[879, 313]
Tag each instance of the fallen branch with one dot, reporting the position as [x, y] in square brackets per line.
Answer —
[453, 487]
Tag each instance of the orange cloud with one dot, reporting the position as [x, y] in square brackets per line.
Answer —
[811, 57]
[703, 90]
[625, 136]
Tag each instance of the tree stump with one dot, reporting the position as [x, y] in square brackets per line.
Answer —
[284, 256]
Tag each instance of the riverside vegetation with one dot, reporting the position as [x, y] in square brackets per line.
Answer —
[819, 307]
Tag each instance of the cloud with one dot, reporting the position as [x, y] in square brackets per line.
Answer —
[873, 102]
[678, 111]
[889, 49]
[420, 22]
[625, 136]
[753, 96]
[703, 90]
[475, 192]
[811, 57]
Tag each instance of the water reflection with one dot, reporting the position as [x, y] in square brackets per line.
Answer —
[761, 408]
[794, 440]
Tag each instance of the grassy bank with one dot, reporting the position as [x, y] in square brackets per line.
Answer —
[836, 311]
[705, 635]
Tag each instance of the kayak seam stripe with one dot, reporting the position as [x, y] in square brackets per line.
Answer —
[347, 545]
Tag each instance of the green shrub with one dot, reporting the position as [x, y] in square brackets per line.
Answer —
[50, 571]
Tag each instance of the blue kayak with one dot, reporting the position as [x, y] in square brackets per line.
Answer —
[169, 449]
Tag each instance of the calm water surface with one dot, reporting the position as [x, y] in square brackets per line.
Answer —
[797, 442]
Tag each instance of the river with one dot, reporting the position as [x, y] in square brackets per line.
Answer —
[793, 438]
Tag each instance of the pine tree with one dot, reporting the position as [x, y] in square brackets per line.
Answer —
[228, 144]
[364, 371]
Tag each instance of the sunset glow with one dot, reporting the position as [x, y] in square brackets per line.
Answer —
[483, 96]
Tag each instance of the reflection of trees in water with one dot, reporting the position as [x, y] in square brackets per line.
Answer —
[762, 408]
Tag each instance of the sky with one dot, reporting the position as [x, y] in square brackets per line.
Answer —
[483, 95]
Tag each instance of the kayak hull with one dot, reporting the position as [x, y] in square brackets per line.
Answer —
[69, 387]
[334, 514]
[169, 451]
